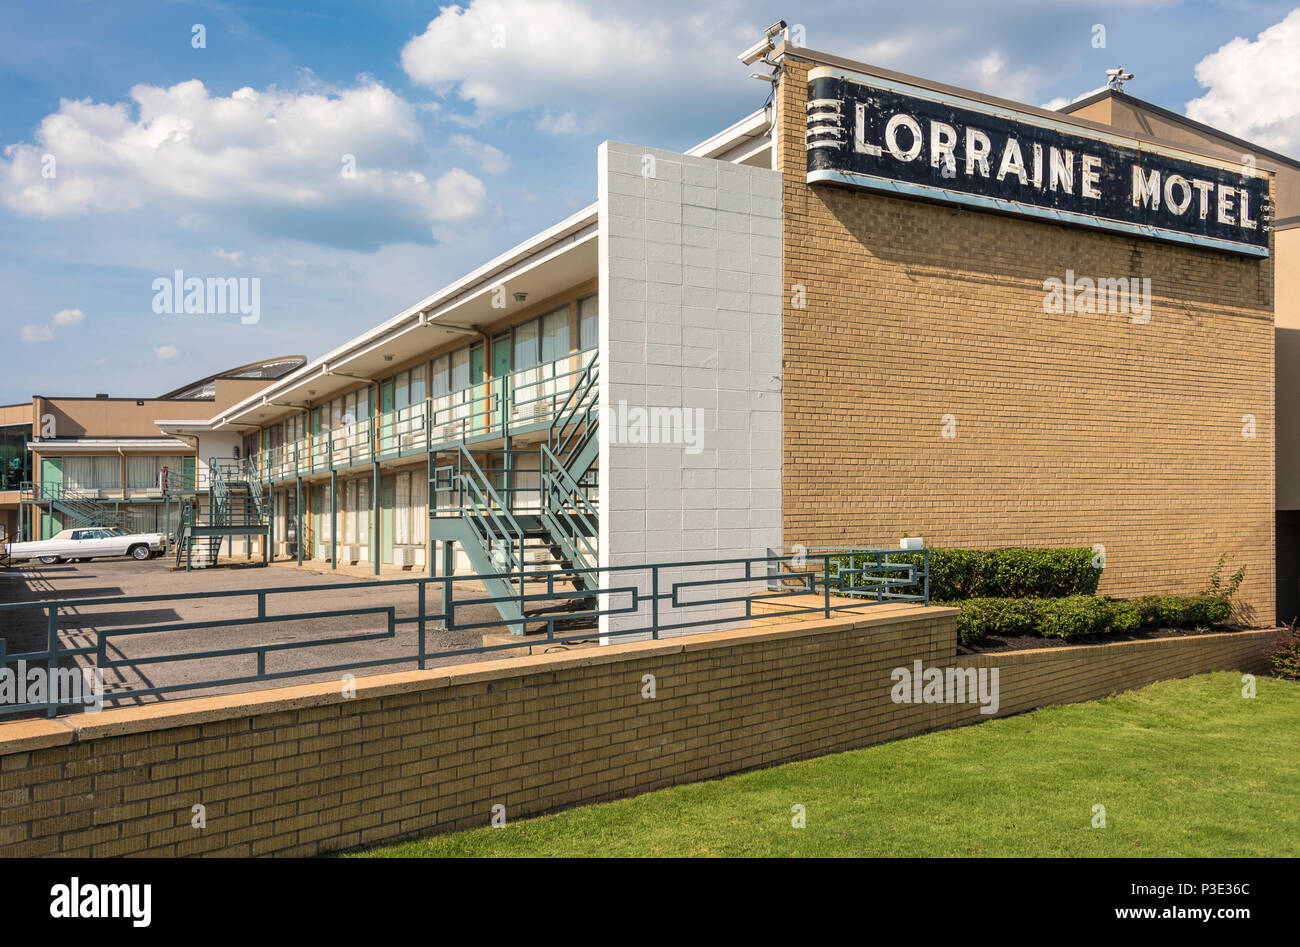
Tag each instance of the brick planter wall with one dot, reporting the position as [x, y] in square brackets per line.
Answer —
[302, 770]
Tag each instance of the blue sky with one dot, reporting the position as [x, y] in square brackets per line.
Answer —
[469, 128]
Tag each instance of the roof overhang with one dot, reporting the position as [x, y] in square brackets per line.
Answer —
[542, 266]
[97, 445]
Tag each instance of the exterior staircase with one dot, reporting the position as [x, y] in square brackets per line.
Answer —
[77, 508]
[237, 506]
[511, 543]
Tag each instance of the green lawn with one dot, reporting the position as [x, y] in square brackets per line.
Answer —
[1184, 768]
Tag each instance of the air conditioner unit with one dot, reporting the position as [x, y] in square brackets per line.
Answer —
[348, 554]
[403, 556]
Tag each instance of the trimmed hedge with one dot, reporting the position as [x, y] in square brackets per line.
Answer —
[1020, 573]
[1077, 615]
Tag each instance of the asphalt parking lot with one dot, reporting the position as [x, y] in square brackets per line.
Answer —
[127, 637]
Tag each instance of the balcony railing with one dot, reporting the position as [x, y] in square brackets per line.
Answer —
[497, 407]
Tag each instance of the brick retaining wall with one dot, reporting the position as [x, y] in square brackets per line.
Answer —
[301, 770]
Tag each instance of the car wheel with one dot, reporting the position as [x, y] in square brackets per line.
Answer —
[140, 552]
[50, 560]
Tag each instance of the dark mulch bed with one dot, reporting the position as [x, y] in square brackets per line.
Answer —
[1028, 642]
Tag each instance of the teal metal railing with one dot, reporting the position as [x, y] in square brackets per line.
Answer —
[124, 636]
[85, 503]
[523, 401]
[471, 495]
[868, 573]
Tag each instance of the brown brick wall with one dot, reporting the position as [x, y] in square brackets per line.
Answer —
[301, 770]
[1070, 429]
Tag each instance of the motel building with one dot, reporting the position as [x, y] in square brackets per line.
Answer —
[100, 461]
[878, 306]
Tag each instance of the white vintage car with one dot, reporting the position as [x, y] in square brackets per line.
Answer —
[90, 543]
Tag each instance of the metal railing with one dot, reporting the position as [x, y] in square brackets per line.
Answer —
[85, 502]
[528, 399]
[879, 575]
[649, 600]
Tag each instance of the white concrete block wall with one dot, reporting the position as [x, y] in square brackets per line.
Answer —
[690, 319]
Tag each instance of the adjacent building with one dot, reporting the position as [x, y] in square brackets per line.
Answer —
[104, 461]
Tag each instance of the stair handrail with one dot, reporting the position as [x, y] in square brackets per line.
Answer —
[488, 516]
[582, 399]
[567, 506]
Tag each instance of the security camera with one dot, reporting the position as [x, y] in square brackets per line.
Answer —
[757, 51]
[764, 45]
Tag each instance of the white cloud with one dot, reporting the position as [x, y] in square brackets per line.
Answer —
[1254, 87]
[492, 160]
[564, 124]
[31, 333]
[459, 194]
[166, 352]
[68, 317]
[510, 55]
[990, 75]
[272, 160]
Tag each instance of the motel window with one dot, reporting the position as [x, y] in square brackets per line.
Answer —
[408, 387]
[460, 369]
[143, 472]
[441, 376]
[93, 473]
[525, 345]
[588, 321]
[555, 334]
[410, 507]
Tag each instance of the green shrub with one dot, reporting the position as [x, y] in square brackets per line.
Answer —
[1072, 616]
[1125, 617]
[996, 573]
[1284, 657]
[1075, 616]
[995, 616]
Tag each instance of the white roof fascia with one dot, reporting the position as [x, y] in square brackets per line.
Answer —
[106, 443]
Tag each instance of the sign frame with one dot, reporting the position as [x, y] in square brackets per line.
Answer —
[839, 153]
